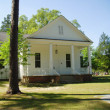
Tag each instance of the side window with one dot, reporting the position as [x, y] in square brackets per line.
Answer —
[37, 60]
[68, 60]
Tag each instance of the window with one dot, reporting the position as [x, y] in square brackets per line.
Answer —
[1, 63]
[37, 60]
[60, 30]
[81, 61]
[68, 60]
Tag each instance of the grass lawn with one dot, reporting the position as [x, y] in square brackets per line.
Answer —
[78, 96]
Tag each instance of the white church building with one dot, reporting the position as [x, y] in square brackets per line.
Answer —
[56, 54]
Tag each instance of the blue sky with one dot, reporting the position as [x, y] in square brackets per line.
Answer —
[92, 15]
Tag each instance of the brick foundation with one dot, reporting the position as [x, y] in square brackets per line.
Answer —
[75, 78]
[41, 79]
[62, 78]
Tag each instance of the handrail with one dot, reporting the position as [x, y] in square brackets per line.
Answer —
[54, 71]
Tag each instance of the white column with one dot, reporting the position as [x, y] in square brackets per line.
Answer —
[28, 60]
[51, 59]
[72, 59]
[89, 61]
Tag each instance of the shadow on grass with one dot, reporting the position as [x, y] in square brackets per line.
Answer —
[51, 101]
[44, 85]
[100, 79]
[2, 83]
[96, 79]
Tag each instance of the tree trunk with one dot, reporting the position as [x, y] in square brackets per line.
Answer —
[13, 77]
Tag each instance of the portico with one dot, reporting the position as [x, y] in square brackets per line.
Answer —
[57, 54]
[51, 58]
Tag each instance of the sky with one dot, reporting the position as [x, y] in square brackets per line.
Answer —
[92, 15]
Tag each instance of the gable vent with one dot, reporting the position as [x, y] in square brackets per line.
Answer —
[60, 30]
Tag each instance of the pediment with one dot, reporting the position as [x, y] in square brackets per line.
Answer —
[60, 28]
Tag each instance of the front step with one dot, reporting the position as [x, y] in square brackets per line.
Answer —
[68, 79]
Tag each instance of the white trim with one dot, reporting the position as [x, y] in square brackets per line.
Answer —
[65, 20]
[51, 58]
[89, 61]
[73, 27]
[50, 40]
[72, 59]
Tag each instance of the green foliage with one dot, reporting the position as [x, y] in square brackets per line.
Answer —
[32, 26]
[103, 51]
[6, 24]
[42, 18]
[4, 51]
[100, 56]
[27, 27]
[23, 23]
[84, 52]
[22, 49]
[95, 60]
[1, 63]
[104, 45]
[75, 23]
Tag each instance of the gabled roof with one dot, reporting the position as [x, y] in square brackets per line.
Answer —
[3, 36]
[32, 36]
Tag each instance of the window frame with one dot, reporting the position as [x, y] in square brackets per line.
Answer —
[81, 61]
[37, 60]
[68, 65]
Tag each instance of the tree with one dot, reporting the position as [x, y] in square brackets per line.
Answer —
[44, 16]
[32, 26]
[95, 60]
[6, 23]
[104, 52]
[23, 23]
[75, 23]
[84, 52]
[23, 49]
[13, 78]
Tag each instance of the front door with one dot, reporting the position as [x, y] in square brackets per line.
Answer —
[59, 59]
[56, 61]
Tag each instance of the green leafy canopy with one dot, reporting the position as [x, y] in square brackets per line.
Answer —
[42, 18]
[22, 49]
[103, 51]
[6, 23]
